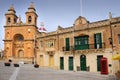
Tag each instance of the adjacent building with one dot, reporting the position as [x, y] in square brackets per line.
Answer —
[81, 46]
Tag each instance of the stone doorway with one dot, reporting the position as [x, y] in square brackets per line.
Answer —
[20, 54]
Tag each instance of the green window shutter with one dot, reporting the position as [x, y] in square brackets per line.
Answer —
[98, 40]
[67, 44]
[61, 63]
[95, 44]
[70, 65]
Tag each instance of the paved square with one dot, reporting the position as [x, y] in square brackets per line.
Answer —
[28, 72]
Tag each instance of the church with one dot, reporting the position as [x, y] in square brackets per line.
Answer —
[79, 47]
[19, 36]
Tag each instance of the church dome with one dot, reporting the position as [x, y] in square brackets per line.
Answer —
[42, 28]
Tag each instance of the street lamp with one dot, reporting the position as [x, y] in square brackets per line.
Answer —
[111, 36]
[110, 40]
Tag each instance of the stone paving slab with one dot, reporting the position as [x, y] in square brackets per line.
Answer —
[5, 72]
[28, 72]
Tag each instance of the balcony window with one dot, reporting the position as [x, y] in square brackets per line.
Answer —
[50, 43]
[81, 43]
[97, 41]
[67, 44]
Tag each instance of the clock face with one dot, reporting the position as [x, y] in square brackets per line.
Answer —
[29, 30]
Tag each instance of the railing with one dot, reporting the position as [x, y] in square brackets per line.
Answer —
[85, 47]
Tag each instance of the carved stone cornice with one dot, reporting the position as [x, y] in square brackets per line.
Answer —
[7, 40]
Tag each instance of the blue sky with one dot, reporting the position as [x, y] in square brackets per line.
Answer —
[60, 12]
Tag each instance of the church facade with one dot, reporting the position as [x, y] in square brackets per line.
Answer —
[79, 47]
[19, 36]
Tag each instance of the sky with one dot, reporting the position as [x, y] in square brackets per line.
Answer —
[60, 12]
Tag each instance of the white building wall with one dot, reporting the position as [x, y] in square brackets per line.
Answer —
[91, 60]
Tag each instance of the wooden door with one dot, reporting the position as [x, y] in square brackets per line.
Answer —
[51, 61]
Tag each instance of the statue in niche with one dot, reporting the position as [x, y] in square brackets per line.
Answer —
[19, 20]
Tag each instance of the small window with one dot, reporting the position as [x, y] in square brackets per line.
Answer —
[8, 19]
[20, 38]
[119, 38]
[50, 43]
[29, 19]
[15, 20]
[41, 43]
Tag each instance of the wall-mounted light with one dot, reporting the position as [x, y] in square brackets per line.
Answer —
[110, 40]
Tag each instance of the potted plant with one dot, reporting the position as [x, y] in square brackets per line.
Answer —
[36, 65]
[7, 63]
[16, 65]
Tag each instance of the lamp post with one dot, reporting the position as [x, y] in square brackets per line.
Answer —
[111, 37]
[34, 49]
[111, 33]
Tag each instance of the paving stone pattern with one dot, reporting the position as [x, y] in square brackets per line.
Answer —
[28, 72]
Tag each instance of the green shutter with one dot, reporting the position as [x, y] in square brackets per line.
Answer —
[67, 44]
[98, 62]
[95, 41]
[70, 63]
[98, 40]
[61, 63]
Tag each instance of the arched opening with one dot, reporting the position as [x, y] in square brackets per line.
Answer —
[20, 54]
[18, 42]
[9, 20]
[18, 38]
[15, 20]
[29, 19]
[83, 62]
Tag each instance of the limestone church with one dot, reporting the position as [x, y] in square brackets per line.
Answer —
[19, 36]
[79, 47]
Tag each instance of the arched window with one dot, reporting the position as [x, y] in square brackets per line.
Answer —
[29, 19]
[18, 38]
[9, 20]
[15, 20]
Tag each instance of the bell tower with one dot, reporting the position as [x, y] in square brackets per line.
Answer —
[11, 17]
[31, 16]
